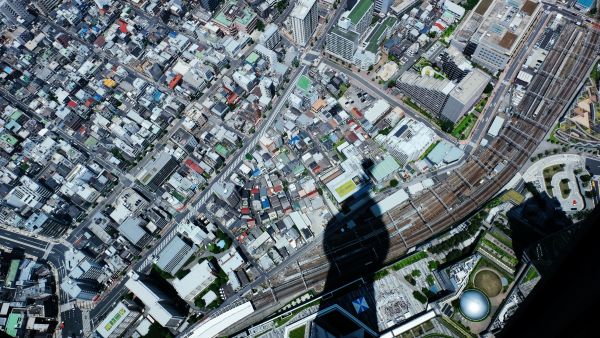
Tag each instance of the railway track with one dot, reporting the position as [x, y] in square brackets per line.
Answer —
[484, 174]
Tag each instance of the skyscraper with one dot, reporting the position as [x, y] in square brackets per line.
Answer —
[45, 6]
[14, 12]
[382, 6]
[209, 5]
[342, 42]
[303, 20]
[360, 16]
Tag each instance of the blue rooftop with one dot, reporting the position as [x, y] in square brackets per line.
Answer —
[587, 4]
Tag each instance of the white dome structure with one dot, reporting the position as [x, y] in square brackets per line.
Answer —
[474, 305]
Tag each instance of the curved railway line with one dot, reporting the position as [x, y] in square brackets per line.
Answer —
[483, 175]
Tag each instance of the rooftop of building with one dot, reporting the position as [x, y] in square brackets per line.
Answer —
[359, 10]
[412, 78]
[302, 8]
[113, 319]
[198, 274]
[232, 12]
[472, 84]
[501, 23]
[155, 166]
[11, 275]
[384, 168]
[346, 34]
[374, 39]
[14, 323]
[171, 250]
[458, 57]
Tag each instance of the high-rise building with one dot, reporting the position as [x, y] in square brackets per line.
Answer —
[303, 20]
[158, 171]
[234, 17]
[209, 5]
[86, 269]
[443, 97]
[487, 37]
[454, 64]
[464, 96]
[342, 42]
[227, 192]
[118, 320]
[428, 92]
[45, 6]
[15, 12]
[159, 305]
[270, 37]
[174, 255]
[80, 289]
[360, 16]
[382, 6]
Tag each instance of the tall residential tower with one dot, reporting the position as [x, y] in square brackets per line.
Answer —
[303, 20]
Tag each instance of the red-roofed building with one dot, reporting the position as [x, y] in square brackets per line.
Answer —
[175, 81]
[351, 137]
[122, 26]
[232, 98]
[357, 114]
[100, 41]
[440, 26]
[72, 104]
[194, 166]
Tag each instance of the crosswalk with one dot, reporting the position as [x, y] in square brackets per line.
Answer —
[48, 249]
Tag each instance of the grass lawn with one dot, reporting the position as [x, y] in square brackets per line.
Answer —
[564, 188]
[345, 188]
[284, 319]
[298, 332]
[502, 237]
[488, 282]
[531, 274]
[446, 34]
[513, 196]
[549, 172]
[409, 260]
[343, 88]
[486, 263]
[481, 104]
[464, 126]
[499, 252]
[304, 83]
[552, 170]
[553, 138]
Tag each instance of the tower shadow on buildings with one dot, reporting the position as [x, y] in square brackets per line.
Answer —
[356, 244]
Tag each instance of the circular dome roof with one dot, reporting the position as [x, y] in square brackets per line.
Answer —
[474, 305]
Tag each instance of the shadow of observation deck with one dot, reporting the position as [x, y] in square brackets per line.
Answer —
[356, 244]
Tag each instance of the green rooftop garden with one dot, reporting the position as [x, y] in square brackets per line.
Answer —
[304, 83]
[359, 10]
